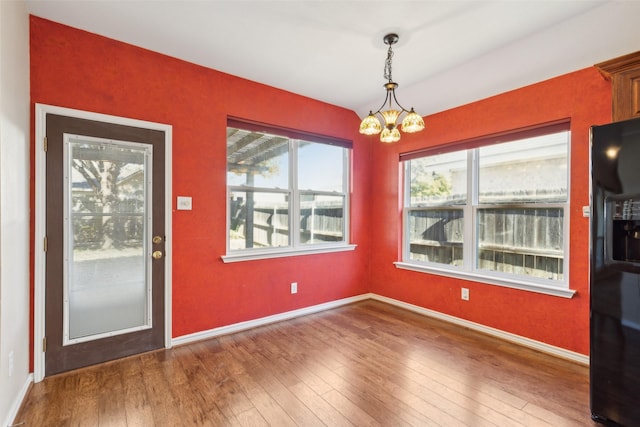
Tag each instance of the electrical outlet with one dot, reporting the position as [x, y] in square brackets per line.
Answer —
[10, 363]
[294, 287]
[464, 294]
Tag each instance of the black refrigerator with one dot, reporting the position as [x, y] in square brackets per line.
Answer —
[615, 273]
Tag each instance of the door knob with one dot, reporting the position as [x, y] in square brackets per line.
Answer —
[156, 254]
[157, 239]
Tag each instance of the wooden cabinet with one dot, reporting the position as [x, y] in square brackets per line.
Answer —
[624, 74]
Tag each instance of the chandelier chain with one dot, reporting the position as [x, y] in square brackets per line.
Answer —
[387, 65]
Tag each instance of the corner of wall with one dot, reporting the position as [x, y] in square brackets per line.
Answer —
[14, 207]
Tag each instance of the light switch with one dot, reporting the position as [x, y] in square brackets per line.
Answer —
[184, 203]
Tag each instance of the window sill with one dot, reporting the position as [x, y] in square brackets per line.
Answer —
[286, 252]
[490, 280]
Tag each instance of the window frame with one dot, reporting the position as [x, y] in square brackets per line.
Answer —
[469, 269]
[295, 247]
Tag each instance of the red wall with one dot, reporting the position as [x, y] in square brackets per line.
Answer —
[585, 98]
[75, 69]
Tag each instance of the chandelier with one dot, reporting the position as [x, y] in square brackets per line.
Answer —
[412, 121]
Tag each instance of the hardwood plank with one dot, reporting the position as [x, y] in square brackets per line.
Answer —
[351, 411]
[251, 418]
[455, 392]
[233, 401]
[196, 396]
[537, 373]
[87, 406]
[164, 408]
[295, 409]
[364, 364]
[266, 405]
[429, 391]
[319, 406]
[431, 414]
[110, 398]
[137, 408]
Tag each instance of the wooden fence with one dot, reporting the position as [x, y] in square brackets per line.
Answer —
[270, 225]
[523, 241]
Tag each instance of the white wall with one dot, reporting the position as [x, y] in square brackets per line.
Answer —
[14, 206]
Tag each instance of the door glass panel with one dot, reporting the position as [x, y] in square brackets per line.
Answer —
[107, 285]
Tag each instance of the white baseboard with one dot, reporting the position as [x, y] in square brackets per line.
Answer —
[242, 326]
[507, 336]
[15, 407]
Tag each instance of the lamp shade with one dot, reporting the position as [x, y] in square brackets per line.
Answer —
[390, 117]
[390, 135]
[370, 125]
[412, 122]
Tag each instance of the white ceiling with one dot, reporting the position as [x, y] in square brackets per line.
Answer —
[450, 52]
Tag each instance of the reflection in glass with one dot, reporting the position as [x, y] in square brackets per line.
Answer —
[106, 280]
[257, 160]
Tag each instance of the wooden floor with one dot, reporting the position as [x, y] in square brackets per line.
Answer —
[366, 364]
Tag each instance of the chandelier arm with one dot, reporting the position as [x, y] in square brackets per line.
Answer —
[386, 98]
[404, 110]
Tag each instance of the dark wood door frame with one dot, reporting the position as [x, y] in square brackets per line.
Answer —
[41, 112]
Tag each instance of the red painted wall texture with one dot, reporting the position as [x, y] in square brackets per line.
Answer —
[584, 97]
[75, 69]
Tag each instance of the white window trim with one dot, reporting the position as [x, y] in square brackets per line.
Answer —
[525, 285]
[250, 255]
[467, 271]
[295, 248]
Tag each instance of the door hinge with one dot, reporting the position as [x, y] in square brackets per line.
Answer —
[44, 344]
[46, 243]
[45, 145]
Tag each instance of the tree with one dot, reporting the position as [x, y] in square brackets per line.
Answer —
[113, 184]
[426, 183]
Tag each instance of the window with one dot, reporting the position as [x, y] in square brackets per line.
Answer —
[494, 212]
[287, 192]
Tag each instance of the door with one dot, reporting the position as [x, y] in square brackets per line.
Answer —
[104, 290]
